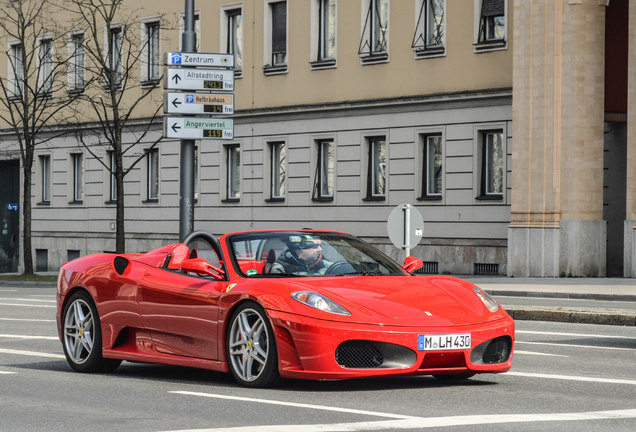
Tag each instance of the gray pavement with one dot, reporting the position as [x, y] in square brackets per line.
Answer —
[620, 291]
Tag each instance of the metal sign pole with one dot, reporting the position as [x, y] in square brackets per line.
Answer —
[186, 183]
[407, 229]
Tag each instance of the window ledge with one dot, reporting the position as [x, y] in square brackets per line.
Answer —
[110, 202]
[231, 200]
[374, 198]
[274, 70]
[44, 203]
[489, 198]
[76, 202]
[422, 52]
[150, 83]
[323, 64]
[75, 91]
[151, 201]
[275, 200]
[374, 58]
[430, 198]
[322, 199]
[493, 45]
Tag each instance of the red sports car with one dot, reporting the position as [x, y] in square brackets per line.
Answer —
[284, 303]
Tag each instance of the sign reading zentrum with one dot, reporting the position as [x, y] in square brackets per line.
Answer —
[197, 74]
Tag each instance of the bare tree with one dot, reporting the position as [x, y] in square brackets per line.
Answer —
[34, 94]
[118, 100]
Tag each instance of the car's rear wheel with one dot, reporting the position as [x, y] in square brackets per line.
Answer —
[251, 347]
[83, 337]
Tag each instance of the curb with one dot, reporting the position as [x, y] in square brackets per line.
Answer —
[563, 295]
[573, 315]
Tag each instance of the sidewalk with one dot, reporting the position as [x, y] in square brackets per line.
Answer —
[606, 289]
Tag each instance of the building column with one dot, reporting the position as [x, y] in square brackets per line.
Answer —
[557, 226]
[629, 256]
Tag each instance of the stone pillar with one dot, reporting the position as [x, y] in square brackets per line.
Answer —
[629, 257]
[557, 226]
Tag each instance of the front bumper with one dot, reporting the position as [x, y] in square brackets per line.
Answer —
[307, 348]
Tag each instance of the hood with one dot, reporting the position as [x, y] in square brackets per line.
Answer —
[402, 300]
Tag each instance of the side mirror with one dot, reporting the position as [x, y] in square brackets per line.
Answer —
[200, 266]
[412, 263]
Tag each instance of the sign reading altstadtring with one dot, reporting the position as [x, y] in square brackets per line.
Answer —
[198, 79]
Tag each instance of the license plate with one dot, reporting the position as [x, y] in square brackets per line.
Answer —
[443, 342]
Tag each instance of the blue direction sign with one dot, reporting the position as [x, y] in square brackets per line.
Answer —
[198, 59]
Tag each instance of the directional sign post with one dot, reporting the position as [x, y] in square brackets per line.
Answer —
[198, 128]
[198, 79]
[198, 103]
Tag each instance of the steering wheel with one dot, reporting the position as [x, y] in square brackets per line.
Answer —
[339, 267]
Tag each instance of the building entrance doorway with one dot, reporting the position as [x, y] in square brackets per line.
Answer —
[9, 215]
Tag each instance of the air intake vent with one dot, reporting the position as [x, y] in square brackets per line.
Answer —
[429, 267]
[486, 269]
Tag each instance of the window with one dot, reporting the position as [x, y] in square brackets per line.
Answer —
[152, 175]
[115, 44]
[45, 179]
[46, 67]
[279, 34]
[324, 33]
[233, 172]
[374, 43]
[376, 172]
[77, 161]
[16, 70]
[492, 169]
[325, 171]
[76, 62]
[491, 29]
[112, 190]
[432, 173]
[234, 37]
[152, 51]
[430, 35]
[278, 164]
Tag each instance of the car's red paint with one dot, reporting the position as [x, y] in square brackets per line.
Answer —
[152, 312]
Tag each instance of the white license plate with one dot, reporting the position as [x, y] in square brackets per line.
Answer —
[443, 342]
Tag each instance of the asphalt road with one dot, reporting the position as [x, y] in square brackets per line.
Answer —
[565, 377]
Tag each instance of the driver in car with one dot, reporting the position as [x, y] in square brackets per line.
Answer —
[302, 257]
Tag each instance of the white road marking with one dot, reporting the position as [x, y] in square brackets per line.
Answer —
[31, 353]
[6, 372]
[539, 354]
[28, 337]
[27, 305]
[572, 378]
[574, 346]
[530, 332]
[27, 299]
[404, 422]
[8, 290]
[26, 319]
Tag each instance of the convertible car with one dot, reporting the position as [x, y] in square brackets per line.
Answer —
[280, 303]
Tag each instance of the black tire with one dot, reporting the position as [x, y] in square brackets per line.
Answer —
[251, 347]
[82, 336]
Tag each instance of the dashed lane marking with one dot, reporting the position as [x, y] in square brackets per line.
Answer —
[27, 305]
[26, 319]
[587, 335]
[517, 342]
[539, 354]
[572, 378]
[10, 336]
[31, 353]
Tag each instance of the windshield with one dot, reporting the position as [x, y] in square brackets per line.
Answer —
[307, 253]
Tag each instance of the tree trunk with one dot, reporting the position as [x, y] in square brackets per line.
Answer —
[27, 248]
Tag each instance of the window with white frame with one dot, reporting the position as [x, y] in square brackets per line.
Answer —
[45, 57]
[76, 67]
[376, 168]
[323, 52]
[152, 175]
[278, 163]
[492, 166]
[233, 170]
[112, 168]
[234, 37]
[374, 42]
[77, 161]
[16, 70]
[324, 180]
[115, 46]
[430, 29]
[491, 31]
[432, 170]
[151, 52]
[45, 178]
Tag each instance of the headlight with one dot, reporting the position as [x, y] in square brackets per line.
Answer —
[319, 302]
[490, 302]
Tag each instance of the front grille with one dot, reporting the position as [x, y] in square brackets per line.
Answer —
[486, 269]
[498, 351]
[358, 355]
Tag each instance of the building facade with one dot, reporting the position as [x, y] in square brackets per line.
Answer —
[345, 109]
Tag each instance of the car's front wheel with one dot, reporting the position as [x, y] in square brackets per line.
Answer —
[251, 347]
[83, 336]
